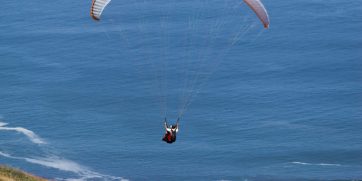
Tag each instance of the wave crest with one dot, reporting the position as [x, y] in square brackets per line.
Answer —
[316, 164]
[28, 133]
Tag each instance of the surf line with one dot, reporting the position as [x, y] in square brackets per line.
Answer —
[65, 165]
[53, 161]
[28, 133]
[317, 164]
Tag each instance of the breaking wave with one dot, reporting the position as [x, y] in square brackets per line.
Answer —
[316, 164]
[5, 155]
[81, 172]
[66, 165]
[28, 133]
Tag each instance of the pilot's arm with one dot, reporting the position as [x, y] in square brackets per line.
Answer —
[177, 125]
[165, 124]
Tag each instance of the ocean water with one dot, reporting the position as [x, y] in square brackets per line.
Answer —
[85, 100]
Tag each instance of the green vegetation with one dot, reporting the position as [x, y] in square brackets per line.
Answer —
[11, 174]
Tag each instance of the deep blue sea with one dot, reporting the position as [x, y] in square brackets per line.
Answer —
[86, 100]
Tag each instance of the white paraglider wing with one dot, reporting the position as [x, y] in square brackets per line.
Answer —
[259, 10]
[97, 8]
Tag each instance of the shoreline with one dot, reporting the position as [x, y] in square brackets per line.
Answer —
[13, 174]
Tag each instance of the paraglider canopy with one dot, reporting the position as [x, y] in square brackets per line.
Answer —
[256, 5]
[97, 8]
[259, 10]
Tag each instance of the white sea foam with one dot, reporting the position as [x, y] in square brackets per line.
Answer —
[5, 155]
[3, 124]
[104, 178]
[66, 165]
[56, 162]
[316, 164]
[28, 133]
